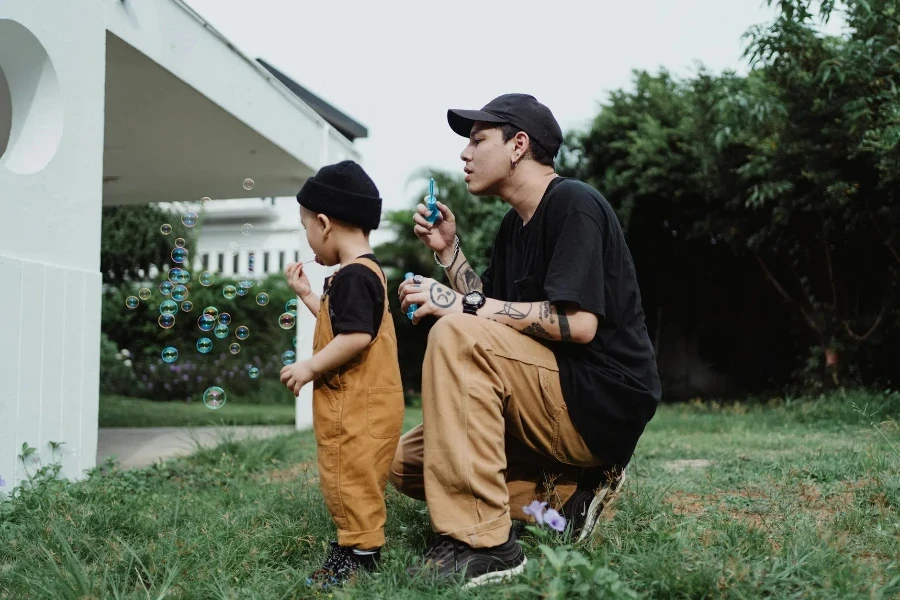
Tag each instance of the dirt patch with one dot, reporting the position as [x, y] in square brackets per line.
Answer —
[687, 504]
[677, 466]
[295, 472]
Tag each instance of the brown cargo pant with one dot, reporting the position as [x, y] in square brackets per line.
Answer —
[495, 434]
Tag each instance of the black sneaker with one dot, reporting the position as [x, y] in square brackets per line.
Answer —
[448, 557]
[341, 565]
[583, 508]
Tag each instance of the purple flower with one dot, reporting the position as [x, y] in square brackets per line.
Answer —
[2, 482]
[199, 378]
[536, 510]
[555, 520]
[149, 386]
[185, 377]
[152, 368]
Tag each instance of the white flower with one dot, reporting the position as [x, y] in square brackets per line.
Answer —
[127, 363]
[126, 353]
[119, 355]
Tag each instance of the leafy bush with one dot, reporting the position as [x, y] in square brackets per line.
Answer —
[116, 372]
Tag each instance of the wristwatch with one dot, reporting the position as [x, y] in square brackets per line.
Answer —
[472, 302]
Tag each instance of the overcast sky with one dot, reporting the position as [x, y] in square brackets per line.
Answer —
[397, 66]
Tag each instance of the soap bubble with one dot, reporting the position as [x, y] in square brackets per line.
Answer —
[251, 262]
[290, 306]
[286, 320]
[168, 307]
[214, 397]
[213, 312]
[206, 323]
[205, 199]
[254, 373]
[204, 345]
[234, 348]
[296, 341]
[246, 228]
[179, 293]
[242, 290]
[165, 288]
[248, 184]
[144, 293]
[175, 274]
[225, 319]
[187, 306]
[229, 292]
[183, 277]
[166, 321]
[262, 298]
[189, 218]
[169, 354]
[179, 242]
[242, 332]
[207, 279]
[221, 331]
[289, 357]
[132, 301]
[165, 229]
[247, 283]
[179, 255]
[234, 248]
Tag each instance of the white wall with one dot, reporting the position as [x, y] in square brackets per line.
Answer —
[52, 55]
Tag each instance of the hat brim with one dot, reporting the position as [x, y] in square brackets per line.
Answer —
[461, 121]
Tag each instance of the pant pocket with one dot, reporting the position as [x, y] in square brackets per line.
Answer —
[385, 411]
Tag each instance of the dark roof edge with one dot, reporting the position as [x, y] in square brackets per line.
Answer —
[348, 127]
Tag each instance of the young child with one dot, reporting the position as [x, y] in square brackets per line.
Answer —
[357, 393]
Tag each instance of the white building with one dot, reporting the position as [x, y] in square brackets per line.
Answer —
[115, 102]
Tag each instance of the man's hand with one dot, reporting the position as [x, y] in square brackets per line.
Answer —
[297, 375]
[297, 279]
[433, 298]
[438, 236]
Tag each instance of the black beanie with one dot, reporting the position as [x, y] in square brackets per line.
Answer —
[343, 192]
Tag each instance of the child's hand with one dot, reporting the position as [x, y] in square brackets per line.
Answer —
[297, 375]
[297, 279]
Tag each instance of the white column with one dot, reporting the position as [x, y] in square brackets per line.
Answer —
[52, 57]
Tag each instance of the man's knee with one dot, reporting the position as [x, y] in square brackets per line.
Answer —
[448, 329]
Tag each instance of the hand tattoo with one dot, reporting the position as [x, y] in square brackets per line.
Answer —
[536, 330]
[515, 311]
[441, 296]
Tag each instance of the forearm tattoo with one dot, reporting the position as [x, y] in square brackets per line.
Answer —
[442, 296]
[536, 330]
[564, 333]
[515, 310]
[547, 312]
[464, 278]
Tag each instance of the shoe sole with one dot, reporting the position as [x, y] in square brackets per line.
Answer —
[494, 576]
[602, 500]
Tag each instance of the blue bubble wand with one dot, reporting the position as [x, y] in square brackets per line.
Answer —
[412, 307]
[431, 204]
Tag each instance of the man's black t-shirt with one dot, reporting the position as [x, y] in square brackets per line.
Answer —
[356, 299]
[573, 250]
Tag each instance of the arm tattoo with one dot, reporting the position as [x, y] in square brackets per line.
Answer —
[564, 333]
[515, 310]
[442, 296]
[535, 330]
[546, 312]
[466, 280]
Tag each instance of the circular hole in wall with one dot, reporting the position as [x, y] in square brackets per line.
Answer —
[31, 107]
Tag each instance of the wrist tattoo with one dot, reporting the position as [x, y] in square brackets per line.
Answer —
[442, 296]
[515, 310]
[546, 312]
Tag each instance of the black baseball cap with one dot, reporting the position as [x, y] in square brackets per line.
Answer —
[520, 110]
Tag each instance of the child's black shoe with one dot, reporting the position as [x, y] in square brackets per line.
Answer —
[342, 565]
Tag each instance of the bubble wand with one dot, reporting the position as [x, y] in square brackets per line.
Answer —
[431, 204]
[412, 307]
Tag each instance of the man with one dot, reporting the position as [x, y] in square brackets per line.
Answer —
[539, 376]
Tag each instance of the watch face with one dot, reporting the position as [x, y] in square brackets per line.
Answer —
[472, 298]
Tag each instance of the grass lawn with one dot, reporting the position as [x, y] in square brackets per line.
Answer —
[119, 411]
[792, 501]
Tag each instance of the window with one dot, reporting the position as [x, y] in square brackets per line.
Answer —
[221, 262]
[281, 261]
[265, 262]
[235, 264]
[206, 261]
[296, 256]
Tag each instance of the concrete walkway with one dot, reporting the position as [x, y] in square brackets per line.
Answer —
[143, 446]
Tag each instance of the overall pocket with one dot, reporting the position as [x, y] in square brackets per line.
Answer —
[385, 411]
